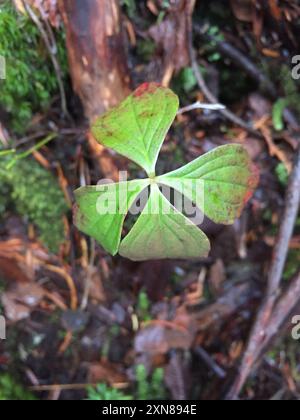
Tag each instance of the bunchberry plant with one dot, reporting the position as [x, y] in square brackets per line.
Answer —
[136, 129]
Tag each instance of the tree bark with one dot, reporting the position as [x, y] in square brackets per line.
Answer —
[96, 53]
[98, 64]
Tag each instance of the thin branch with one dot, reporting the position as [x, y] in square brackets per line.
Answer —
[206, 357]
[200, 105]
[68, 387]
[264, 318]
[23, 155]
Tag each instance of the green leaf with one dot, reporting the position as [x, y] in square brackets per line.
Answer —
[220, 183]
[162, 232]
[101, 210]
[138, 126]
[229, 180]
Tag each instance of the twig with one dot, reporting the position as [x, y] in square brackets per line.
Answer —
[264, 318]
[66, 342]
[35, 148]
[70, 282]
[207, 93]
[200, 105]
[69, 387]
[210, 362]
[52, 52]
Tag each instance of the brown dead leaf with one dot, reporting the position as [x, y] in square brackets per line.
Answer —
[171, 37]
[242, 9]
[21, 299]
[275, 9]
[12, 271]
[105, 372]
[159, 339]
[96, 285]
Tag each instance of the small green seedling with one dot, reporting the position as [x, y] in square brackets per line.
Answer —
[136, 129]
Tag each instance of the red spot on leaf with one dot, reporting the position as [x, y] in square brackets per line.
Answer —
[146, 88]
[252, 183]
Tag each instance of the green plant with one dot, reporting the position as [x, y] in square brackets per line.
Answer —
[103, 392]
[219, 183]
[143, 307]
[11, 390]
[282, 173]
[277, 113]
[35, 194]
[30, 78]
[149, 388]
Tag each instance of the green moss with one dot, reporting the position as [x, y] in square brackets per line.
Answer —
[11, 390]
[30, 78]
[35, 194]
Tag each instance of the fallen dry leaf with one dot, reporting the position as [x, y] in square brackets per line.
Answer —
[21, 299]
[105, 372]
[159, 339]
[171, 37]
[242, 9]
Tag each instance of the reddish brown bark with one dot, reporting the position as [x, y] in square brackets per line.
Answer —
[96, 53]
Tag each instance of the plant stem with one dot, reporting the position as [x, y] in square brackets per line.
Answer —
[28, 152]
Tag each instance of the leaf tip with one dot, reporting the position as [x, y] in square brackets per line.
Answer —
[147, 87]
